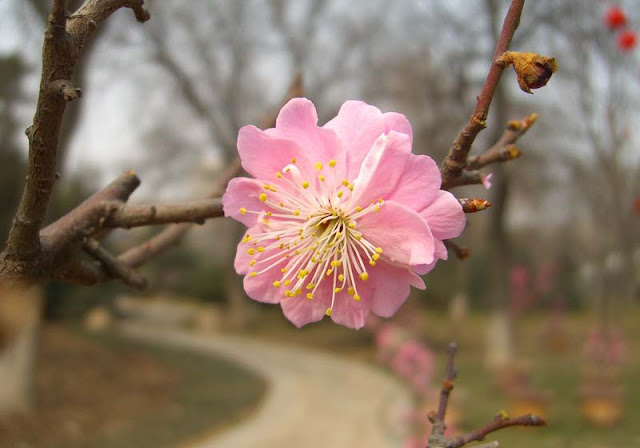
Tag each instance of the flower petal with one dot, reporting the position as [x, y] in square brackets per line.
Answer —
[263, 155]
[301, 311]
[261, 287]
[243, 193]
[382, 169]
[358, 125]
[403, 235]
[298, 122]
[445, 216]
[394, 121]
[388, 287]
[349, 312]
[440, 253]
[420, 183]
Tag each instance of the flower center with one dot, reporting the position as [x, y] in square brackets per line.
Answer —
[309, 233]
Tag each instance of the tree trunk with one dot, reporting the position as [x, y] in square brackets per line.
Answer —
[20, 318]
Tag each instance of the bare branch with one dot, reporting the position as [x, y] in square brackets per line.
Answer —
[114, 267]
[170, 236]
[455, 161]
[465, 177]
[461, 252]
[87, 216]
[499, 423]
[197, 212]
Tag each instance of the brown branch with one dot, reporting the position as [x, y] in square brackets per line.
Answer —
[465, 177]
[62, 41]
[80, 221]
[461, 252]
[114, 267]
[127, 216]
[498, 424]
[456, 160]
[170, 236]
[504, 149]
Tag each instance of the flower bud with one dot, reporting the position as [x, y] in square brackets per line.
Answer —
[533, 70]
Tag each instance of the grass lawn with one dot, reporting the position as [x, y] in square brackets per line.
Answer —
[108, 392]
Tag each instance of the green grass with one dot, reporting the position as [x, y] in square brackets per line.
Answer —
[212, 394]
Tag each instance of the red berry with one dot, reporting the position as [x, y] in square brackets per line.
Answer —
[627, 40]
[615, 17]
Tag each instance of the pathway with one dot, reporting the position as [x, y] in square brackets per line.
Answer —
[315, 400]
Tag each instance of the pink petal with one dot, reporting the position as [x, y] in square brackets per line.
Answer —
[403, 235]
[444, 216]
[243, 192]
[358, 125]
[242, 259]
[382, 169]
[349, 312]
[263, 155]
[394, 121]
[298, 122]
[420, 183]
[301, 311]
[440, 253]
[261, 287]
[388, 287]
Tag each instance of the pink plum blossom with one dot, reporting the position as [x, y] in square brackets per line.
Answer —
[342, 219]
[486, 180]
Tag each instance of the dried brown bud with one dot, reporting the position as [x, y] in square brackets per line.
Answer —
[533, 70]
[472, 205]
[512, 152]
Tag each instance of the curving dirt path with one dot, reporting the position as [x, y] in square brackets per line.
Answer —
[315, 400]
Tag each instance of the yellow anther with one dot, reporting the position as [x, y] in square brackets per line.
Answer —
[351, 291]
[278, 238]
[251, 251]
[279, 175]
[296, 212]
[269, 214]
[341, 277]
[358, 209]
[243, 211]
[345, 182]
[281, 246]
[305, 184]
[317, 166]
[380, 201]
[252, 262]
[336, 263]
[283, 270]
[276, 284]
[351, 225]
[311, 285]
[303, 273]
[309, 295]
[332, 163]
[329, 272]
[379, 250]
[263, 197]
[281, 204]
[287, 282]
[298, 291]
[377, 208]
[337, 290]
[372, 263]
[253, 274]
[351, 187]
[364, 276]
[321, 177]
[287, 293]
[356, 297]
[358, 237]
[260, 249]
[328, 312]
[338, 234]
[293, 160]
[340, 193]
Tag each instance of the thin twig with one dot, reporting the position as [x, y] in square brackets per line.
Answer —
[456, 160]
[197, 212]
[461, 252]
[114, 267]
[496, 425]
[447, 383]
